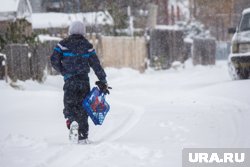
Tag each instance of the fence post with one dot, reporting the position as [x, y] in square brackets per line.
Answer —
[3, 67]
[5, 70]
[6, 73]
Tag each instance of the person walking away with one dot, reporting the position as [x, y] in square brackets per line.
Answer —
[72, 58]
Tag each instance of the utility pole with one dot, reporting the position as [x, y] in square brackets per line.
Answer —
[231, 15]
[178, 11]
[131, 22]
[166, 12]
[172, 15]
[194, 8]
[152, 16]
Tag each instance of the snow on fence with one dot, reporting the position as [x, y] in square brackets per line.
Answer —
[123, 52]
[165, 47]
[204, 50]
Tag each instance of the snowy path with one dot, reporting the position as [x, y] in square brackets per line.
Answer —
[153, 116]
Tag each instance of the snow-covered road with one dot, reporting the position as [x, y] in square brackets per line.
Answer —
[153, 116]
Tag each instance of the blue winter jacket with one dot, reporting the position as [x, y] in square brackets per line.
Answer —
[74, 56]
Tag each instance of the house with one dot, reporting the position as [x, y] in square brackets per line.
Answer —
[218, 15]
[40, 6]
[56, 24]
[18, 11]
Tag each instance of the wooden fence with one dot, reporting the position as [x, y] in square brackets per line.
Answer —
[28, 62]
[32, 62]
[204, 51]
[166, 46]
[40, 60]
[123, 52]
[18, 61]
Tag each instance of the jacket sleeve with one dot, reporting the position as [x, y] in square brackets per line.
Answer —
[56, 58]
[95, 64]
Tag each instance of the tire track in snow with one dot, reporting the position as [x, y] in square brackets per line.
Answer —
[135, 115]
[238, 111]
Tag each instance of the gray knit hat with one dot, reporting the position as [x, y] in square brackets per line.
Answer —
[77, 27]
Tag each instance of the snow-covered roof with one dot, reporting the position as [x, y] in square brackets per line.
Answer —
[9, 6]
[63, 20]
[44, 38]
[246, 11]
[12, 9]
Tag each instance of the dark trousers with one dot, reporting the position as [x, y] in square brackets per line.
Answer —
[76, 89]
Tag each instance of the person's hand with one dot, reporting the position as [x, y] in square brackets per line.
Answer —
[104, 88]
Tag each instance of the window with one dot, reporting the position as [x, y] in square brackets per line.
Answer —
[245, 22]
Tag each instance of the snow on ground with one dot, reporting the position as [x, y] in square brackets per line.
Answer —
[153, 116]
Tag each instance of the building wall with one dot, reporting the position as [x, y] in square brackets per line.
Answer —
[239, 6]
